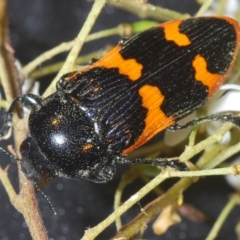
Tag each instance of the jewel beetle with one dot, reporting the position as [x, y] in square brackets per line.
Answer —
[140, 88]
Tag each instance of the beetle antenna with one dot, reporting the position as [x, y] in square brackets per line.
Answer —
[35, 183]
[45, 197]
[8, 154]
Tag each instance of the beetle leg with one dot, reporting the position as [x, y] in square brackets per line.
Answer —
[29, 101]
[159, 162]
[216, 117]
[105, 174]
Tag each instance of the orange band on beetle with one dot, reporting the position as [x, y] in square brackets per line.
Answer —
[156, 120]
[171, 31]
[212, 80]
[129, 67]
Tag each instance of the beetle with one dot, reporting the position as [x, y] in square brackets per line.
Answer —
[140, 88]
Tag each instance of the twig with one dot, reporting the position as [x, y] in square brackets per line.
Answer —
[192, 151]
[79, 41]
[127, 178]
[153, 209]
[93, 232]
[204, 8]
[146, 10]
[142, 219]
[25, 203]
[225, 154]
[125, 29]
[55, 67]
[8, 73]
[4, 104]
[63, 47]
[233, 201]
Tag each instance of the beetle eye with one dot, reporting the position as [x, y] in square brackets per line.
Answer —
[46, 174]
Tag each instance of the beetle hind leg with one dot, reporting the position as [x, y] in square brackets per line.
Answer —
[158, 162]
[216, 117]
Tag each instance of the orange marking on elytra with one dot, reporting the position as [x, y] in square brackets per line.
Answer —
[212, 80]
[129, 67]
[156, 120]
[171, 31]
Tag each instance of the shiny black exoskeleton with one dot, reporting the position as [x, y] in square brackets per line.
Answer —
[64, 138]
[63, 142]
[143, 86]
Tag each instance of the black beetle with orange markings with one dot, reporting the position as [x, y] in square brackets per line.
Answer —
[143, 86]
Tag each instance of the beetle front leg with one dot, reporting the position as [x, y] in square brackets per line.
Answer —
[29, 101]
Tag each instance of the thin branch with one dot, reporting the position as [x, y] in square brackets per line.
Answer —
[25, 203]
[79, 41]
[184, 157]
[147, 10]
[233, 201]
[217, 137]
[63, 47]
[205, 6]
[93, 232]
[8, 72]
[124, 29]
[127, 178]
[53, 68]
[153, 209]
[225, 154]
